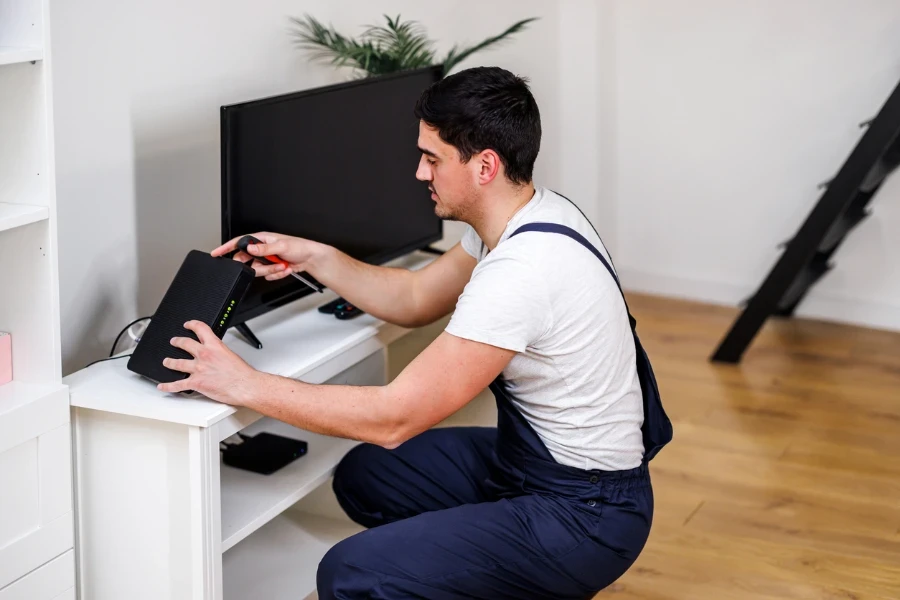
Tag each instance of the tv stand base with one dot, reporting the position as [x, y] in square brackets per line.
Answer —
[244, 330]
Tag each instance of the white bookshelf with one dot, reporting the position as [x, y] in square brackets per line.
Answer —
[36, 523]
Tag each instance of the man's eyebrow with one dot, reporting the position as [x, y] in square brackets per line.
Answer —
[428, 152]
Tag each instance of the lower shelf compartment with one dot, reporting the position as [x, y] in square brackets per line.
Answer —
[249, 500]
[280, 560]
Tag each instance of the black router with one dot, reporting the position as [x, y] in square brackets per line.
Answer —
[206, 289]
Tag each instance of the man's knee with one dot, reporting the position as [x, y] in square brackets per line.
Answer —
[437, 469]
[342, 574]
[354, 486]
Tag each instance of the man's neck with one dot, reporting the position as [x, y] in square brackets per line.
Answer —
[498, 211]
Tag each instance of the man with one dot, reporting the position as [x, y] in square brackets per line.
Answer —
[556, 501]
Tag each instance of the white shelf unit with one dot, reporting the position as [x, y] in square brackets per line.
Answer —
[149, 468]
[27, 197]
[36, 522]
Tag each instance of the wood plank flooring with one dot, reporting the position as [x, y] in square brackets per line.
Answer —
[783, 478]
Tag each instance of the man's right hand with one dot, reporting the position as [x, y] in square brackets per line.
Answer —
[299, 253]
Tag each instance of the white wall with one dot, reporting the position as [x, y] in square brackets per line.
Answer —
[695, 134]
[586, 101]
[137, 90]
[728, 114]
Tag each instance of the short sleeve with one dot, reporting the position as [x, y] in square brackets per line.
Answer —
[471, 243]
[504, 305]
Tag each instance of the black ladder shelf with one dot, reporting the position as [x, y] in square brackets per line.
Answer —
[807, 256]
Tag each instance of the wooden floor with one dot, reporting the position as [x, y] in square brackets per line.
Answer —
[783, 478]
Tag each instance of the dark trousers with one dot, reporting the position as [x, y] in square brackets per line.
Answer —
[439, 530]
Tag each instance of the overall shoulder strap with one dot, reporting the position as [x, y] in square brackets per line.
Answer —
[571, 233]
[656, 428]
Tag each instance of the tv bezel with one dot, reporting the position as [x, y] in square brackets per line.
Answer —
[225, 112]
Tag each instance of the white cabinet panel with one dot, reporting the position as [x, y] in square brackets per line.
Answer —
[53, 581]
[28, 410]
[36, 548]
[36, 518]
[20, 508]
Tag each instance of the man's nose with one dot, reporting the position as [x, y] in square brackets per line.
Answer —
[423, 173]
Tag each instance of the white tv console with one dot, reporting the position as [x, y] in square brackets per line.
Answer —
[159, 516]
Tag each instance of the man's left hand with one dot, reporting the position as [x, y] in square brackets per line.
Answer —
[215, 371]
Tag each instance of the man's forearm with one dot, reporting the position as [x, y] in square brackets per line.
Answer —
[364, 413]
[436, 384]
[386, 293]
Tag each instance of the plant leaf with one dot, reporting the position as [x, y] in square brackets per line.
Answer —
[455, 56]
[404, 45]
[398, 45]
[327, 44]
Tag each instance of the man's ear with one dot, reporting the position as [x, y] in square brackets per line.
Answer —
[489, 165]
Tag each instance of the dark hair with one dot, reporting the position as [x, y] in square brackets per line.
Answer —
[486, 108]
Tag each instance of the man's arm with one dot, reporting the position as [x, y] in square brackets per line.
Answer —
[396, 295]
[399, 296]
[436, 384]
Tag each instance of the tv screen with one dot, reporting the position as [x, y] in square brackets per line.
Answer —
[334, 164]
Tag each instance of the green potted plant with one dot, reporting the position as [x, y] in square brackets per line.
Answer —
[396, 46]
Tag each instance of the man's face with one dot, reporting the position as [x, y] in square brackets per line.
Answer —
[453, 184]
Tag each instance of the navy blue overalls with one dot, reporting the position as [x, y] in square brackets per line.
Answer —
[484, 512]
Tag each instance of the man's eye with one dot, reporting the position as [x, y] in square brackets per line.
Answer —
[431, 161]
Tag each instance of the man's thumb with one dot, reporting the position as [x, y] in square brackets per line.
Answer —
[264, 249]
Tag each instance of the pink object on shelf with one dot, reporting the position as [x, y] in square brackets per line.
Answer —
[5, 358]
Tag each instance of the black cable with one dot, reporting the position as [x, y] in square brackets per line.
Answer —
[105, 359]
[121, 333]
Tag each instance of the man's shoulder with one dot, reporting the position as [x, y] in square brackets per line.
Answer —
[554, 210]
[559, 210]
[535, 255]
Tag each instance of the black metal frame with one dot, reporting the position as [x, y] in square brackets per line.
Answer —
[807, 257]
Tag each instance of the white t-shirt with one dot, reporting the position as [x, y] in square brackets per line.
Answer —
[549, 299]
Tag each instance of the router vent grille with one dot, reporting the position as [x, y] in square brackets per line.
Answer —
[201, 290]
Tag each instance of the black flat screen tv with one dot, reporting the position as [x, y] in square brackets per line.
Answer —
[335, 164]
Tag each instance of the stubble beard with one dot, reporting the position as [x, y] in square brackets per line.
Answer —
[456, 213]
[445, 213]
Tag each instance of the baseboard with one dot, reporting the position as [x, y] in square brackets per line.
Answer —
[819, 306]
[713, 292]
[846, 310]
